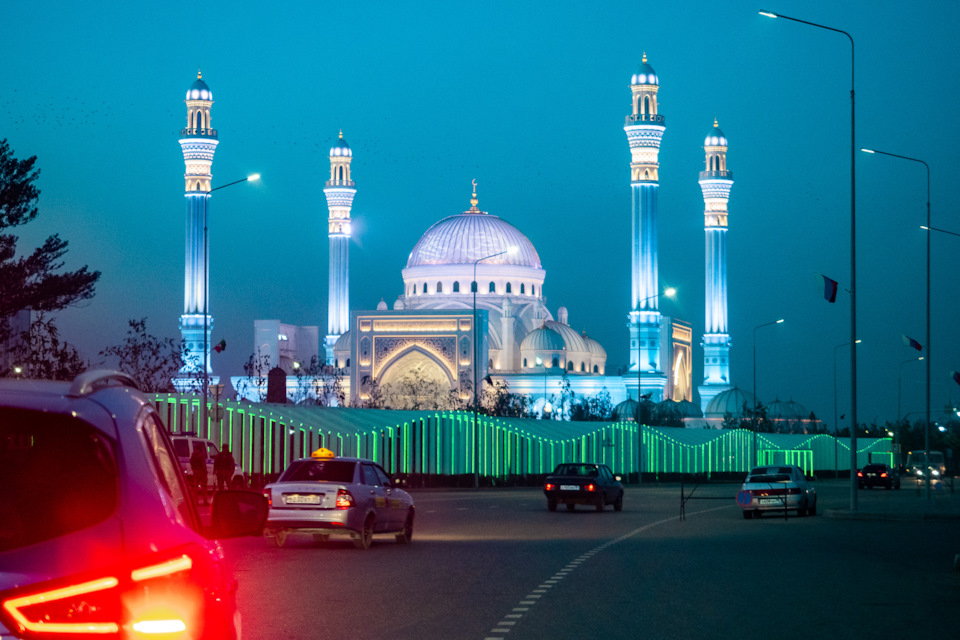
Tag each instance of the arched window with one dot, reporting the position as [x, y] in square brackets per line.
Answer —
[646, 105]
[456, 287]
[509, 288]
[583, 367]
[596, 369]
[556, 361]
[569, 366]
[339, 173]
[439, 287]
[198, 186]
[473, 286]
[424, 287]
[521, 289]
[524, 363]
[348, 364]
[493, 287]
[533, 289]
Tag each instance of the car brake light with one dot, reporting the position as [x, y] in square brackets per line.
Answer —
[883, 475]
[550, 486]
[344, 499]
[269, 496]
[591, 487]
[153, 600]
[859, 474]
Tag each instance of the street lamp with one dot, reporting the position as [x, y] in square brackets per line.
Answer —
[836, 421]
[476, 367]
[546, 403]
[671, 293]
[853, 257]
[926, 430]
[253, 177]
[756, 404]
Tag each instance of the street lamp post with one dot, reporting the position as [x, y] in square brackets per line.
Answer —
[756, 404]
[836, 421]
[546, 403]
[900, 382]
[853, 257]
[476, 368]
[926, 430]
[671, 293]
[253, 177]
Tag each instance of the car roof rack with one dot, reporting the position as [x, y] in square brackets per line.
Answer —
[91, 381]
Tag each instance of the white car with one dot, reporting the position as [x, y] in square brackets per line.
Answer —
[777, 488]
[327, 495]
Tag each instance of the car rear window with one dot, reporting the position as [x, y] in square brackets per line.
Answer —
[58, 474]
[182, 447]
[875, 467]
[776, 477]
[588, 470]
[319, 471]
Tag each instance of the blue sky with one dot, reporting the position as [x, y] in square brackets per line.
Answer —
[529, 99]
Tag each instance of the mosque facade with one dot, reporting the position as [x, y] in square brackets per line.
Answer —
[473, 310]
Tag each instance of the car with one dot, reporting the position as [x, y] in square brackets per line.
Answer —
[98, 536]
[184, 444]
[777, 489]
[574, 483]
[328, 495]
[878, 475]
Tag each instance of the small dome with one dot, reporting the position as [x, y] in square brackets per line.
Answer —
[646, 74]
[715, 137]
[398, 304]
[732, 401]
[790, 410]
[199, 90]
[626, 410]
[343, 343]
[595, 348]
[340, 147]
[688, 409]
[572, 340]
[382, 305]
[542, 339]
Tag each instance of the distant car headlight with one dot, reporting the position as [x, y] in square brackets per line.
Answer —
[934, 472]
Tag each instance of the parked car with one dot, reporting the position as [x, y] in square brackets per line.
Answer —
[583, 483]
[780, 488]
[185, 443]
[878, 475]
[98, 535]
[327, 495]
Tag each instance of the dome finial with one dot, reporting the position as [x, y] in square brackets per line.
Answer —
[341, 134]
[644, 57]
[716, 125]
[199, 75]
[473, 199]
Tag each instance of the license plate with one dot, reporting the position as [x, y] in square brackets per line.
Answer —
[302, 499]
[569, 487]
[771, 501]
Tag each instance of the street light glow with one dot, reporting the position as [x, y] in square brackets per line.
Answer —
[768, 14]
[253, 177]
[868, 150]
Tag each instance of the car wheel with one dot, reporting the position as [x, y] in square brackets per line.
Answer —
[552, 505]
[747, 515]
[364, 539]
[802, 511]
[601, 503]
[571, 506]
[406, 534]
[280, 538]
[618, 503]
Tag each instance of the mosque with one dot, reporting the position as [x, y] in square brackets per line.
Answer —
[473, 309]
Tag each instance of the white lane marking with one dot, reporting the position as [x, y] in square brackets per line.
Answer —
[547, 584]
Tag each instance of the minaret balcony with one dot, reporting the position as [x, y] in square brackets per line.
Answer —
[198, 133]
[644, 118]
[716, 175]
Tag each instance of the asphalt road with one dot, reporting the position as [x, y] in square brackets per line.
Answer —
[497, 564]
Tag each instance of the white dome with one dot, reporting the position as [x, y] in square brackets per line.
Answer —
[573, 341]
[542, 339]
[731, 401]
[470, 236]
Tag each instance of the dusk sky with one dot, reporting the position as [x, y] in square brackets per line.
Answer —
[529, 99]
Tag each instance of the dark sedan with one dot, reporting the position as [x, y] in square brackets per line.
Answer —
[878, 475]
[583, 483]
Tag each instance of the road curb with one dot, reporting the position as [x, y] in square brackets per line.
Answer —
[846, 514]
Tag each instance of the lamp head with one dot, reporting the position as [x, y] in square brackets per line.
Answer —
[253, 177]
[768, 14]
[670, 292]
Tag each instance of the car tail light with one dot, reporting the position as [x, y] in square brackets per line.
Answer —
[160, 598]
[859, 474]
[344, 499]
[268, 494]
[883, 475]
[550, 486]
[591, 487]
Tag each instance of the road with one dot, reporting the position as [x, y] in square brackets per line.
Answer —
[497, 564]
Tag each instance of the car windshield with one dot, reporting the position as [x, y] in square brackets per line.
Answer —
[775, 477]
[58, 473]
[319, 471]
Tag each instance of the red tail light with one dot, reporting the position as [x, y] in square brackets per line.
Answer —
[550, 486]
[162, 597]
[859, 474]
[591, 487]
[883, 475]
[344, 499]
[268, 494]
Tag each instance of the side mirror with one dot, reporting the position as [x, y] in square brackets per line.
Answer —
[237, 513]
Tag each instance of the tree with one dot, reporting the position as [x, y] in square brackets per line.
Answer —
[253, 386]
[39, 353]
[498, 401]
[36, 281]
[415, 392]
[151, 361]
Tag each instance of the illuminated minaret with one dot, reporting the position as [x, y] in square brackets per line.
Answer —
[339, 191]
[644, 130]
[198, 142]
[715, 182]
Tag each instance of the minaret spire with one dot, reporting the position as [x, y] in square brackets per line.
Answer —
[198, 141]
[715, 183]
[644, 128]
[339, 191]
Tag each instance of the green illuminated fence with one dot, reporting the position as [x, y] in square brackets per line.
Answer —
[266, 437]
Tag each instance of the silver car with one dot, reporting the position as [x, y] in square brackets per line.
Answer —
[326, 495]
[780, 488]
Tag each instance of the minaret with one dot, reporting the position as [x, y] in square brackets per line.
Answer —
[644, 130]
[715, 182]
[198, 142]
[339, 192]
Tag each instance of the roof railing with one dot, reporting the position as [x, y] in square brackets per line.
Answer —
[92, 381]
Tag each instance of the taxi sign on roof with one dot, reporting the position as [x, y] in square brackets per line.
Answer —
[323, 452]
